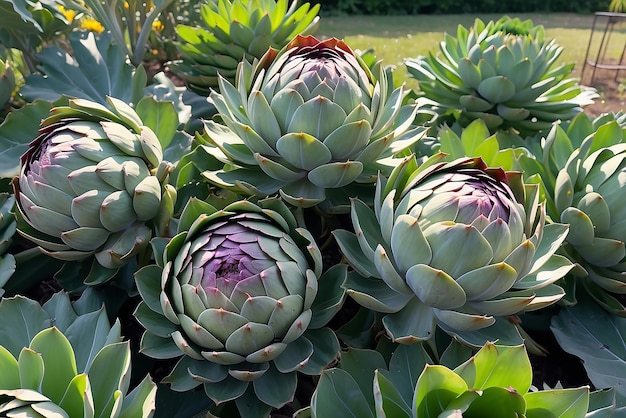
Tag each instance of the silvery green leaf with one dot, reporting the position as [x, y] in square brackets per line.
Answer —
[588, 332]
[95, 70]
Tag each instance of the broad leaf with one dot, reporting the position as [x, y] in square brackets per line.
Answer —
[88, 335]
[59, 362]
[598, 338]
[388, 400]
[22, 319]
[339, 395]
[436, 387]
[405, 367]
[60, 308]
[160, 116]
[498, 366]
[141, 402]
[16, 132]
[563, 403]
[361, 364]
[96, 69]
[112, 368]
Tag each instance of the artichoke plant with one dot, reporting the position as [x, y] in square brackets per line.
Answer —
[504, 73]
[43, 382]
[582, 168]
[493, 383]
[77, 368]
[90, 182]
[234, 30]
[454, 244]
[240, 293]
[309, 121]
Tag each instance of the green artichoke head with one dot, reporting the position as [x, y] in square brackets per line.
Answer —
[451, 243]
[88, 183]
[503, 72]
[308, 120]
[233, 30]
[237, 295]
[582, 166]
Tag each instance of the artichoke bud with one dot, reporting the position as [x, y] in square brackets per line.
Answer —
[508, 79]
[306, 121]
[241, 293]
[90, 171]
[447, 245]
[585, 172]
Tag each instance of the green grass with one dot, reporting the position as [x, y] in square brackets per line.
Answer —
[395, 38]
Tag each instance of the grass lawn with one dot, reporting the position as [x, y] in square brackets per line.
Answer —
[397, 37]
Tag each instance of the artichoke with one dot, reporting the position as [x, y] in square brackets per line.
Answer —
[235, 30]
[88, 184]
[582, 168]
[504, 73]
[78, 368]
[450, 243]
[307, 121]
[239, 292]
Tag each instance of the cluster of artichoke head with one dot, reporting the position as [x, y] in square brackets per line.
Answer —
[240, 290]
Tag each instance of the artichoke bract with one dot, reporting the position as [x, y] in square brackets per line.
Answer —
[503, 72]
[88, 183]
[233, 30]
[241, 294]
[308, 121]
[450, 243]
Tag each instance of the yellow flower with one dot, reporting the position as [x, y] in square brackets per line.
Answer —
[157, 25]
[68, 13]
[92, 25]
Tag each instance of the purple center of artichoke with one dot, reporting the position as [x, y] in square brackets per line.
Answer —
[231, 255]
[479, 195]
[326, 64]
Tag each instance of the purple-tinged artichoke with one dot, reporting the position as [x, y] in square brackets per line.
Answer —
[450, 243]
[307, 121]
[88, 184]
[582, 168]
[240, 293]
